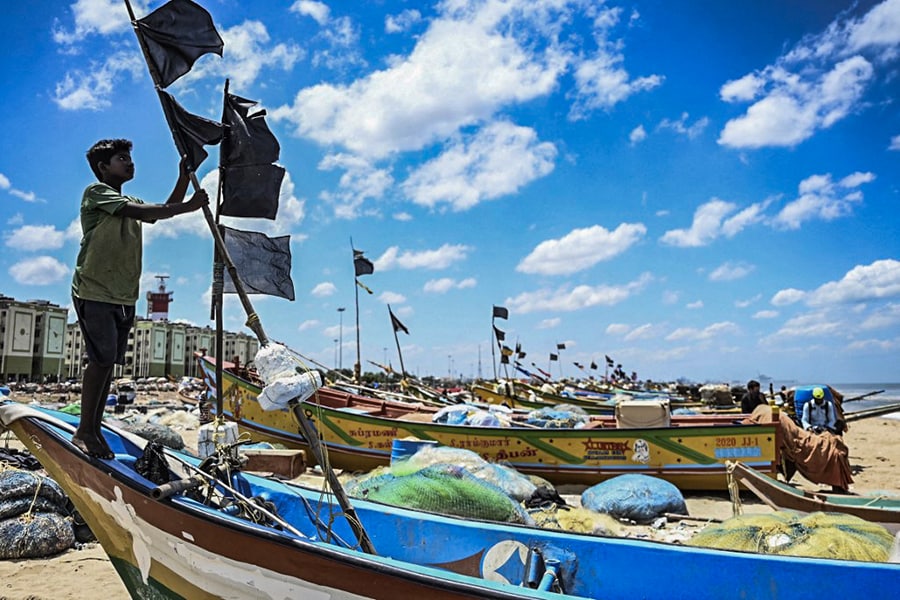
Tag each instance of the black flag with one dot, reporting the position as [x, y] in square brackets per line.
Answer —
[500, 312]
[553, 356]
[263, 263]
[176, 34]
[251, 191]
[501, 335]
[248, 140]
[195, 131]
[560, 346]
[361, 264]
[251, 184]
[396, 324]
[610, 361]
[593, 365]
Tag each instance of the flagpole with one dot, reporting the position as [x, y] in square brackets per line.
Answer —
[253, 322]
[397, 341]
[493, 351]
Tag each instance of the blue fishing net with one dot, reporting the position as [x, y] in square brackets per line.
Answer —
[561, 416]
[639, 498]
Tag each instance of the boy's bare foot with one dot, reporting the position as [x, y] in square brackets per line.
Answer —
[93, 447]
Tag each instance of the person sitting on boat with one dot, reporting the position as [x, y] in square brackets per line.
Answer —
[819, 415]
[105, 286]
[752, 398]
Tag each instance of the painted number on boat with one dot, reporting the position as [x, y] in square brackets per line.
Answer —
[738, 447]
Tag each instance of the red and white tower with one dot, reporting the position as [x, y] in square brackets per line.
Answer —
[158, 301]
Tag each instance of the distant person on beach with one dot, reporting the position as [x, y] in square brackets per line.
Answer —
[819, 415]
[108, 271]
[752, 398]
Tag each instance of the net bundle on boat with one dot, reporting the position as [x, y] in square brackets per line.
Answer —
[441, 488]
[34, 516]
[561, 416]
[515, 485]
[576, 520]
[817, 535]
[636, 497]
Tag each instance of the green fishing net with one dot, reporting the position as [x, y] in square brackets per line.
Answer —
[442, 488]
[817, 535]
[576, 520]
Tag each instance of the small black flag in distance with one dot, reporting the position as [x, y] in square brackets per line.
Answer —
[500, 312]
[361, 264]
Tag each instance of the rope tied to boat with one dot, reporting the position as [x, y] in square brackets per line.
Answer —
[734, 490]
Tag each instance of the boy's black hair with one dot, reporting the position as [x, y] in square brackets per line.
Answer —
[104, 150]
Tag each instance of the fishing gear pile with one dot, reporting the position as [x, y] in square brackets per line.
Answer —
[35, 516]
[817, 535]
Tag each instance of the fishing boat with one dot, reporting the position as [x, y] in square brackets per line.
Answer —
[201, 537]
[689, 451]
[781, 496]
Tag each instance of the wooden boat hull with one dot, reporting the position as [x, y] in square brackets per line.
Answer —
[781, 496]
[179, 548]
[692, 455]
[164, 549]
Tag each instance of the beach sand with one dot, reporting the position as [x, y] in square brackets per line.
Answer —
[86, 573]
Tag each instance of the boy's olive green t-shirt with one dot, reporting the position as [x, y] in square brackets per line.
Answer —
[108, 268]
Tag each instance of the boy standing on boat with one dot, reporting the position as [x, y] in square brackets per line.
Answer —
[752, 398]
[105, 286]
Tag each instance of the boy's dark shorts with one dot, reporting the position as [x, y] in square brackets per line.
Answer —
[105, 327]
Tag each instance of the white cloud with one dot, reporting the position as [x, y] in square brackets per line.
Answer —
[637, 135]
[318, 11]
[324, 289]
[787, 296]
[308, 324]
[895, 143]
[706, 227]
[730, 271]
[878, 280]
[101, 17]
[35, 237]
[647, 331]
[721, 330]
[247, 52]
[92, 89]
[403, 21]
[748, 301]
[883, 317]
[441, 258]
[4, 182]
[821, 198]
[549, 323]
[694, 305]
[445, 284]
[581, 249]
[617, 329]
[816, 84]
[498, 160]
[361, 181]
[40, 270]
[681, 127]
[814, 324]
[567, 299]
[391, 298]
[765, 314]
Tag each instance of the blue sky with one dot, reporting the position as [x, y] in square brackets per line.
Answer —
[698, 189]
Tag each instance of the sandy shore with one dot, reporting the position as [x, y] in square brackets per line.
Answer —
[87, 573]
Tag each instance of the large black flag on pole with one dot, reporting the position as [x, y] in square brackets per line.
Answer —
[175, 35]
[263, 263]
[251, 184]
[185, 27]
[195, 131]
